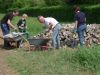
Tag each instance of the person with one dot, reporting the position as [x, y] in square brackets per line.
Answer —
[55, 26]
[22, 25]
[80, 24]
[6, 25]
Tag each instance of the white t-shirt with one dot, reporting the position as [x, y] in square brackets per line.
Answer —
[51, 20]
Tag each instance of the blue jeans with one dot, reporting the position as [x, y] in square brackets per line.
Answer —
[80, 30]
[5, 30]
[56, 37]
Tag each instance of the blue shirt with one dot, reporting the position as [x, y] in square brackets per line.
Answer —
[80, 17]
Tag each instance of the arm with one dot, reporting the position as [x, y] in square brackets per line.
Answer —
[10, 24]
[75, 27]
[50, 26]
[76, 22]
[85, 19]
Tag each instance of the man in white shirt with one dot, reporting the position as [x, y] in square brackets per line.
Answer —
[54, 25]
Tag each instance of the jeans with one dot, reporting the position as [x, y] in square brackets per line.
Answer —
[5, 30]
[56, 37]
[80, 30]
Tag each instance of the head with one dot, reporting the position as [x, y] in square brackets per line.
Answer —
[41, 19]
[24, 16]
[16, 13]
[76, 8]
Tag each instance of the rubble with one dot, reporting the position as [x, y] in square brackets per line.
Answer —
[69, 36]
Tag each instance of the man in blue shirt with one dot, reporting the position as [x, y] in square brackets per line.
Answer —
[80, 24]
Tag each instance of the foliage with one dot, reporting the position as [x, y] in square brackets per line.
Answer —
[65, 13]
[6, 4]
[83, 1]
[88, 58]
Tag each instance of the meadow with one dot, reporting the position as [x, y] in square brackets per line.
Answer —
[79, 61]
[65, 61]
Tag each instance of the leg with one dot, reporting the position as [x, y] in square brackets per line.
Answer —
[58, 40]
[54, 38]
[80, 32]
[25, 32]
[5, 31]
[26, 35]
[80, 38]
[57, 28]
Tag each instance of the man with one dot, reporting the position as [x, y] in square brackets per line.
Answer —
[6, 25]
[22, 25]
[80, 24]
[53, 25]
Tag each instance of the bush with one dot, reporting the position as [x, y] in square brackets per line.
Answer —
[88, 58]
[64, 14]
[83, 1]
[60, 13]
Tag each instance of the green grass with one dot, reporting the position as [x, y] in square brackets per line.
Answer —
[44, 63]
[57, 62]
[33, 26]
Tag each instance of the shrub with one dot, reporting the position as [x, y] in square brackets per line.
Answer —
[88, 58]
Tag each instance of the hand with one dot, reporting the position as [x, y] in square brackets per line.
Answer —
[15, 29]
[75, 30]
[47, 30]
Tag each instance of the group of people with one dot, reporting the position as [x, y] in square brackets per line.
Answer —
[49, 22]
[6, 24]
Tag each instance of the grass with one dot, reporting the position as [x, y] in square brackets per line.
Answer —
[57, 62]
[33, 25]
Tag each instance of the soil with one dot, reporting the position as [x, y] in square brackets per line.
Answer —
[5, 69]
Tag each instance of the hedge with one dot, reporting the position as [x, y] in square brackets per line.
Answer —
[64, 14]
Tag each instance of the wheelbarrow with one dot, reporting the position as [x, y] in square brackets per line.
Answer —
[14, 38]
[38, 43]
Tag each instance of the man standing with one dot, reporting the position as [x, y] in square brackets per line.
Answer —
[53, 25]
[80, 24]
[6, 25]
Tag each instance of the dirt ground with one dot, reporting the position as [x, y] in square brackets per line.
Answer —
[4, 67]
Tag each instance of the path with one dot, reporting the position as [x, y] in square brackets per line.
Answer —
[4, 67]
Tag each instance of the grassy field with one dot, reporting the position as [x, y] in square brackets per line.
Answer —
[81, 61]
[57, 62]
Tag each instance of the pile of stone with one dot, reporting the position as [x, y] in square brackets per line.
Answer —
[69, 36]
[92, 34]
[45, 35]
